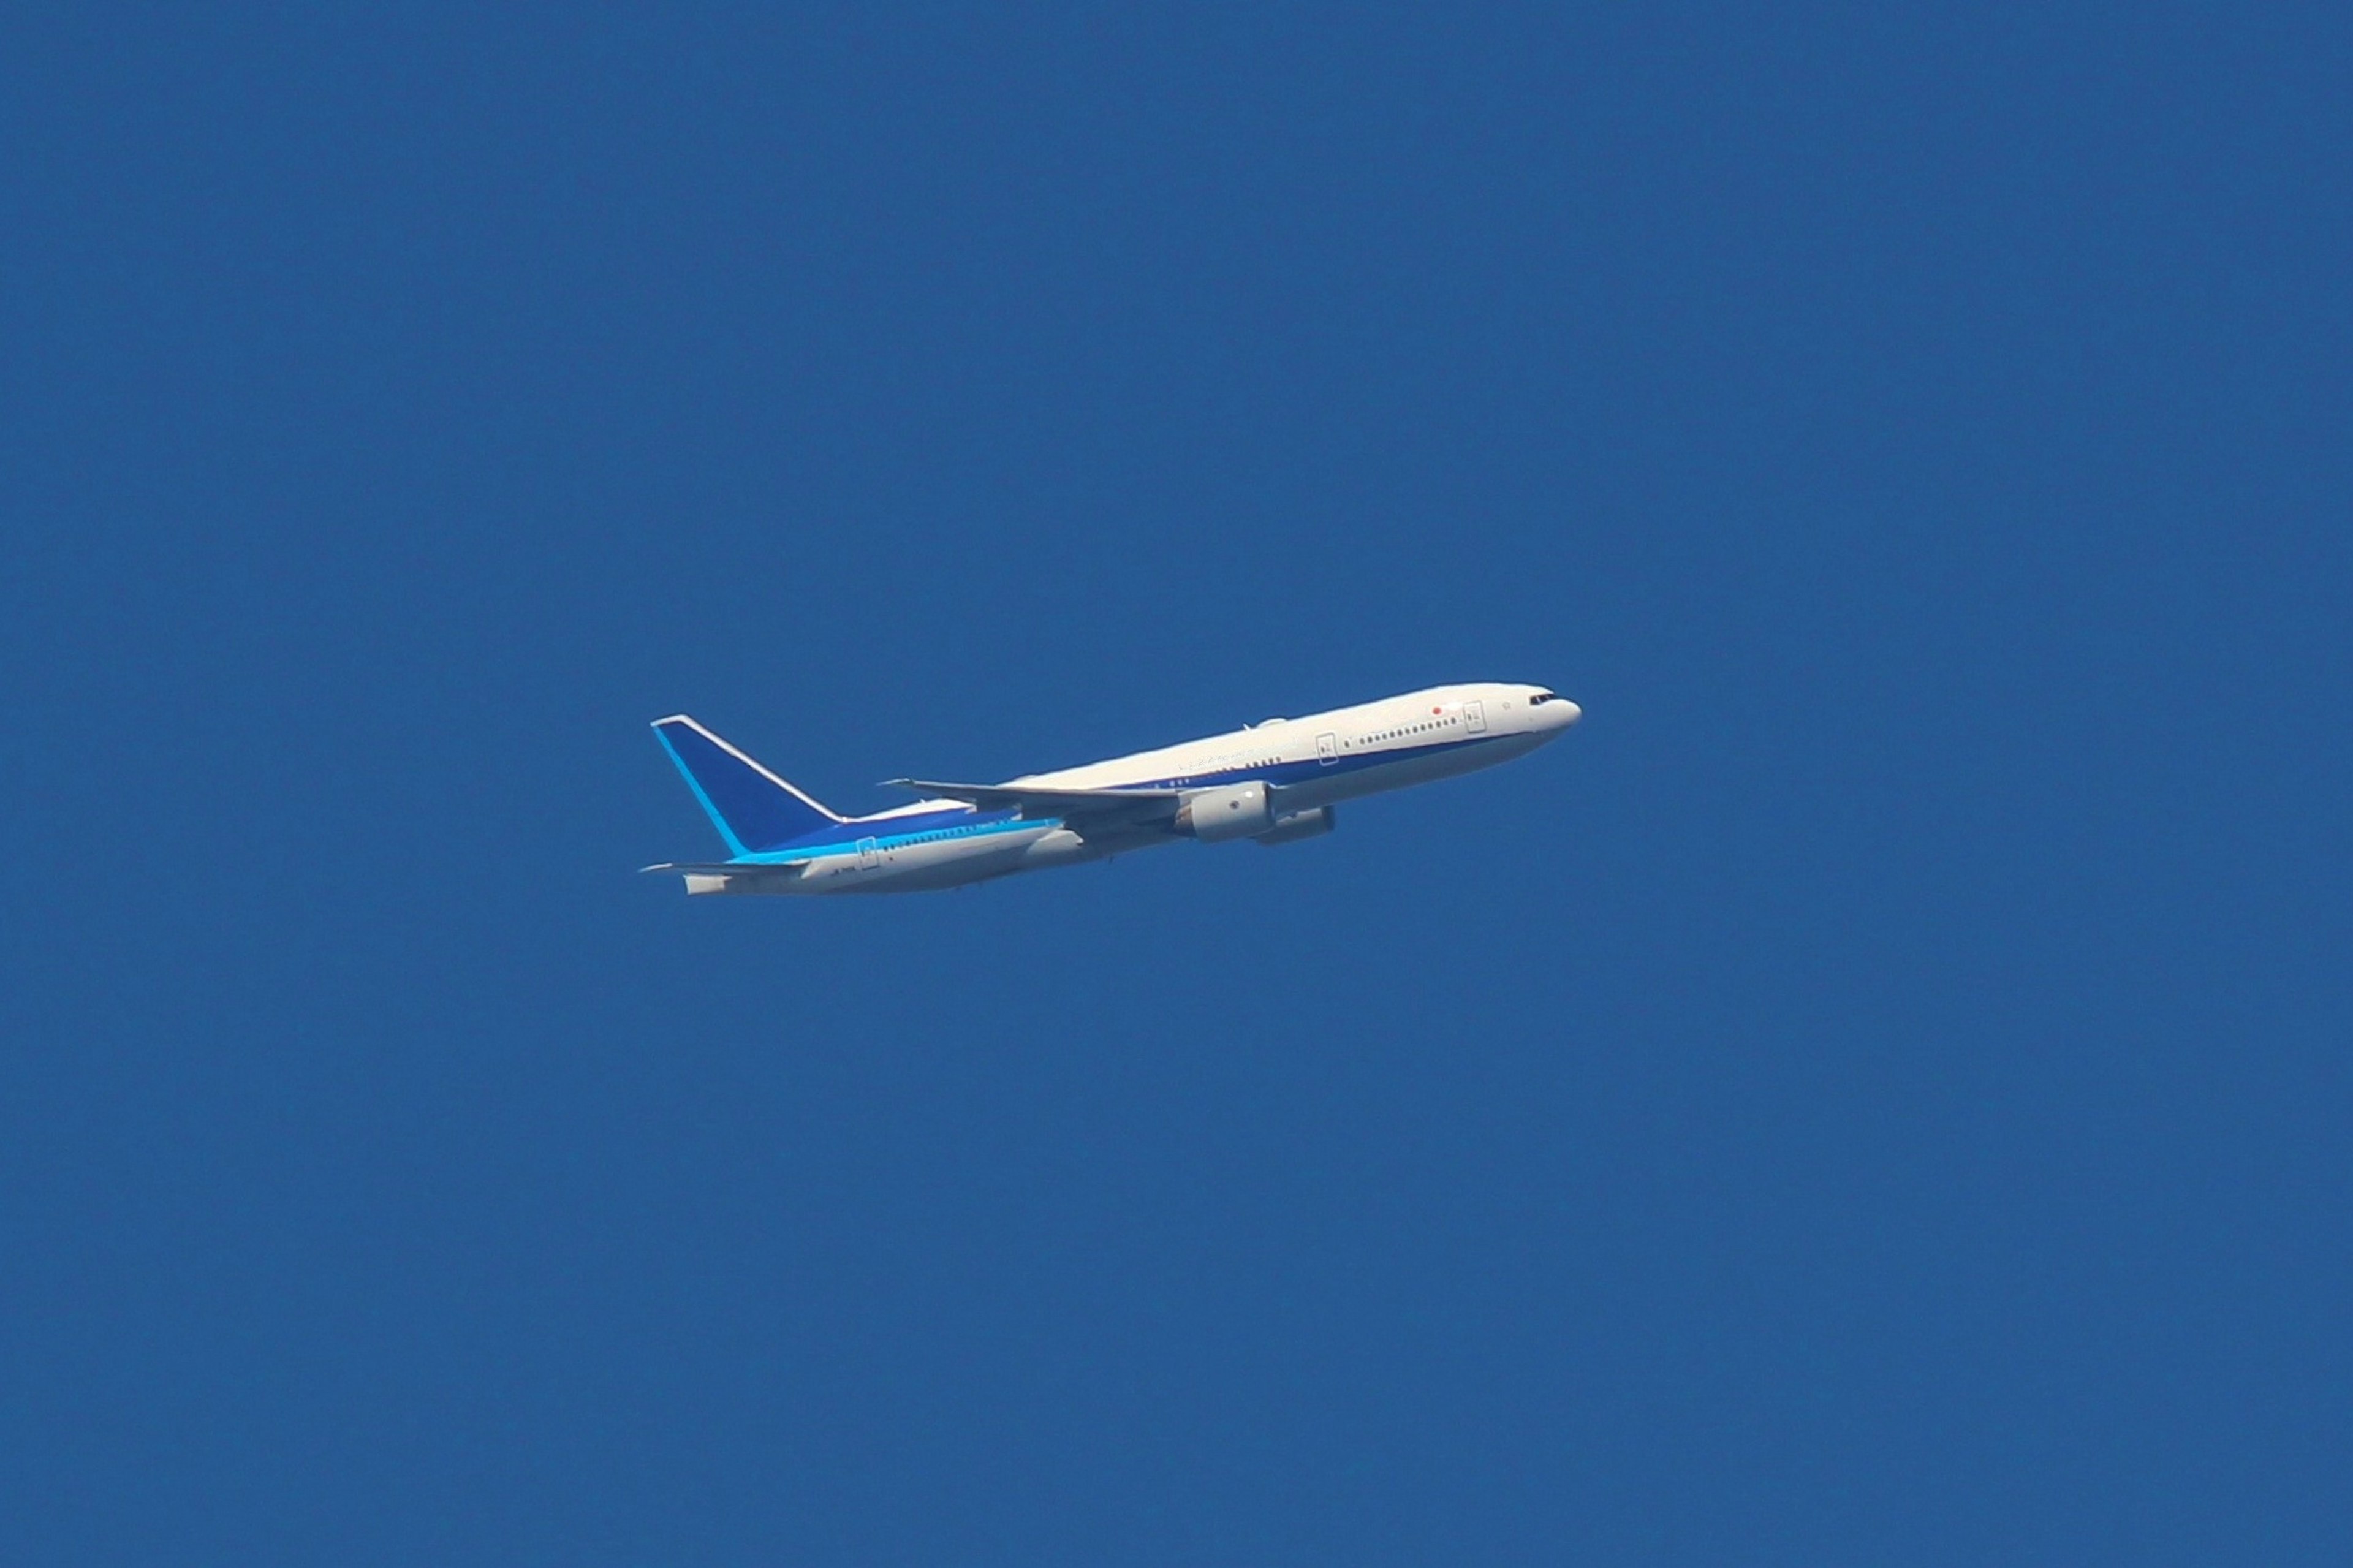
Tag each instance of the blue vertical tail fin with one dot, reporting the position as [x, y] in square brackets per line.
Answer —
[752, 808]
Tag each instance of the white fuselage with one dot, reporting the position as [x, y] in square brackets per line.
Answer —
[1304, 765]
[1348, 753]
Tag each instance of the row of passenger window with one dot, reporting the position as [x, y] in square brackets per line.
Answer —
[1410, 729]
[942, 833]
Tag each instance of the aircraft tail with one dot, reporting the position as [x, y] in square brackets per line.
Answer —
[752, 808]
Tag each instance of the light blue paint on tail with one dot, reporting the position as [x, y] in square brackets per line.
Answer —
[752, 808]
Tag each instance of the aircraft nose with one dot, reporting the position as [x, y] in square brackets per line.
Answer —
[1553, 714]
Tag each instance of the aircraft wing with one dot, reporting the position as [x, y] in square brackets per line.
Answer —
[727, 868]
[1079, 808]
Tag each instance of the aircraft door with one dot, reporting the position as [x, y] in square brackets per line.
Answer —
[869, 854]
[1327, 748]
[1474, 718]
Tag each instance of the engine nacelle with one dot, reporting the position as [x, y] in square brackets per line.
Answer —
[1298, 824]
[1230, 811]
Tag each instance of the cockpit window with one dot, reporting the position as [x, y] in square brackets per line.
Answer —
[1541, 698]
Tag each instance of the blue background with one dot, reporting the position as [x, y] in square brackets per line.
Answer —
[1876, 1092]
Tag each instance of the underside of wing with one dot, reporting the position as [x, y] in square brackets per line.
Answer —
[1078, 807]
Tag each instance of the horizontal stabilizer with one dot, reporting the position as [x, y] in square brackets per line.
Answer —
[736, 875]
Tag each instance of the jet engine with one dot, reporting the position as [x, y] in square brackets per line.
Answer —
[1230, 811]
[1298, 824]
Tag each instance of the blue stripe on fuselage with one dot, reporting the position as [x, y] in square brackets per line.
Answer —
[897, 832]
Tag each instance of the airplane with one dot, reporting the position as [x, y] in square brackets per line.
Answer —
[1275, 782]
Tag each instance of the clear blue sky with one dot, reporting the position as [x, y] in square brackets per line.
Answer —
[1877, 1092]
